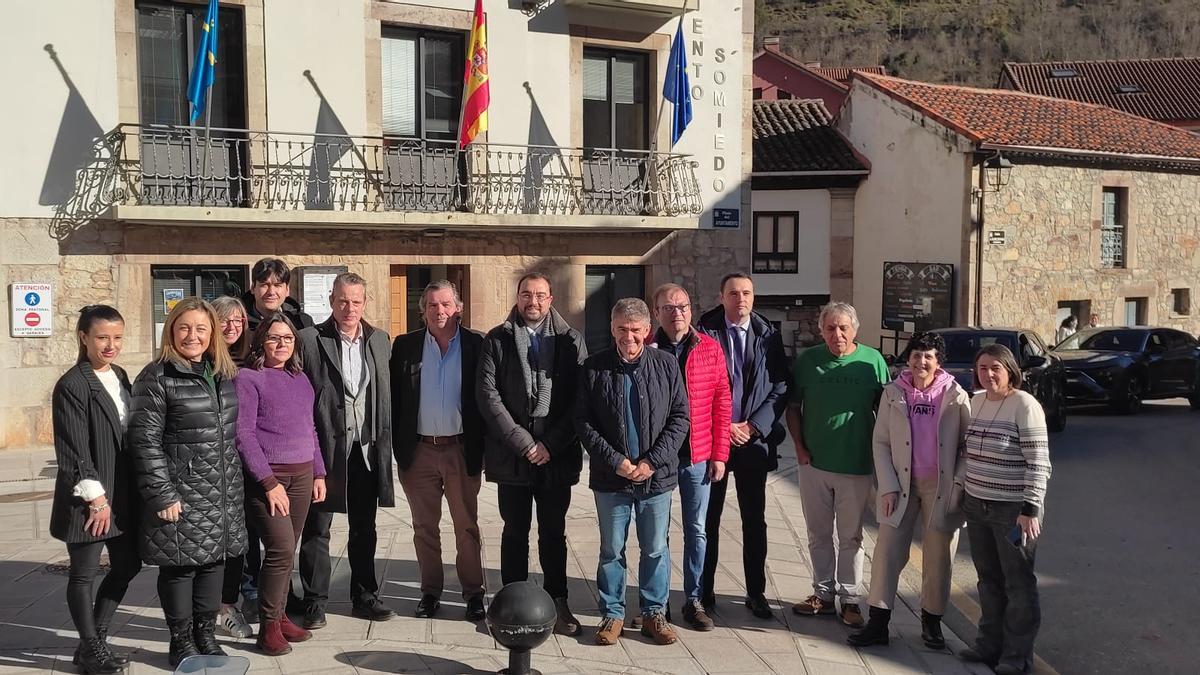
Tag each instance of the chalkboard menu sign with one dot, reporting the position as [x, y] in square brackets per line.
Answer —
[917, 296]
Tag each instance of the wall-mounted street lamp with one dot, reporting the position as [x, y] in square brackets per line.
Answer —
[997, 170]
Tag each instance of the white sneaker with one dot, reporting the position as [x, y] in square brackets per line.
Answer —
[232, 623]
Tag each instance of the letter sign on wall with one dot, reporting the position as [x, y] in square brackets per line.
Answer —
[31, 316]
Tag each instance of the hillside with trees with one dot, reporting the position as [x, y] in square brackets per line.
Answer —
[966, 41]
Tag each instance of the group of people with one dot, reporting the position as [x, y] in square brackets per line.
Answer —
[237, 445]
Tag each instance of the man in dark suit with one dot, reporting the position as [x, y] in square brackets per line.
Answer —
[439, 444]
[346, 359]
[759, 378]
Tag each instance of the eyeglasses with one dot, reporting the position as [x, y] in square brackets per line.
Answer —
[540, 297]
[281, 339]
[232, 322]
[674, 309]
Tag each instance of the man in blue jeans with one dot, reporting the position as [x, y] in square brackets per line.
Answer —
[703, 455]
[632, 417]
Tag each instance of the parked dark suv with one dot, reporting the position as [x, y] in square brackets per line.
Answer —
[1125, 366]
[1041, 369]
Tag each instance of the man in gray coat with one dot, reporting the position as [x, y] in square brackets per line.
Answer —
[346, 359]
[528, 374]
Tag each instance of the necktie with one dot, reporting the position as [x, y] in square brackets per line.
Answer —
[535, 348]
[737, 359]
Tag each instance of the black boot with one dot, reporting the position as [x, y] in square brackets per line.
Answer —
[102, 633]
[876, 630]
[182, 643]
[931, 630]
[94, 657]
[204, 628]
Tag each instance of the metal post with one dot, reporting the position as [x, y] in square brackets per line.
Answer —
[207, 130]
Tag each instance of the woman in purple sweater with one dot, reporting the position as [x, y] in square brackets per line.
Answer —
[277, 438]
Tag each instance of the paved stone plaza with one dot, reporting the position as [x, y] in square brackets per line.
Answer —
[36, 633]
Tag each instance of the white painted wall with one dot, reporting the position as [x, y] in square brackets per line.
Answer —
[812, 241]
[914, 204]
[35, 112]
[327, 38]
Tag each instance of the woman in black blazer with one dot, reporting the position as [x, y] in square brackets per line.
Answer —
[95, 499]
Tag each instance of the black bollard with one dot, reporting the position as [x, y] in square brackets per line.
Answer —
[520, 618]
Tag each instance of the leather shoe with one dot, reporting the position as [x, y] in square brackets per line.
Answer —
[314, 618]
[709, 602]
[475, 610]
[372, 609]
[428, 606]
[757, 604]
[972, 655]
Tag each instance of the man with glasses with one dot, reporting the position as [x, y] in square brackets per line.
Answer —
[632, 416]
[528, 372]
[758, 379]
[347, 359]
[703, 455]
[269, 279]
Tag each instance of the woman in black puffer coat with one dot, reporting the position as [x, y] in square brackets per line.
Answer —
[189, 473]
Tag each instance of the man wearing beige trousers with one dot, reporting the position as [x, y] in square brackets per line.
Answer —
[832, 413]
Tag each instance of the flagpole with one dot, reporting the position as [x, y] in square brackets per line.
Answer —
[662, 100]
[207, 130]
[462, 100]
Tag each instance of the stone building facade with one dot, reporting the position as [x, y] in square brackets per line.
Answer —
[1051, 218]
[1043, 207]
[77, 210]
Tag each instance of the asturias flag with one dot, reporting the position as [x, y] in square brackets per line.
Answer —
[206, 63]
[676, 88]
[475, 81]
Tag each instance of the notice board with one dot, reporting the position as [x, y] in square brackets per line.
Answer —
[917, 296]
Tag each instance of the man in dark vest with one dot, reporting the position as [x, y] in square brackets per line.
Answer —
[528, 375]
[439, 443]
[346, 359]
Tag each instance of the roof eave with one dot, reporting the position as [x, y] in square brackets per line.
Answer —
[1090, 154]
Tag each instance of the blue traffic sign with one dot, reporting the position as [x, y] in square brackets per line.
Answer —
[32, 299]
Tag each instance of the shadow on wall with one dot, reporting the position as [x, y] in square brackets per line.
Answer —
[330, 144]
[80, 178]
[543, 150]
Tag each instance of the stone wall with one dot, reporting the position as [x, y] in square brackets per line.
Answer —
[1051, 218]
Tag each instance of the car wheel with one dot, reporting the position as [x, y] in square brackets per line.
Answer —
[1129, 396]
[1058, 420]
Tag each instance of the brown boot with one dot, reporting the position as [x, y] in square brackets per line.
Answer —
[656, 627]
[609, 631]
[812, 606]
[271, 640]
[292, 632]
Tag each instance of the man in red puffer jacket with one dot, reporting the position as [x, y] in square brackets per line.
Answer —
[702, 457]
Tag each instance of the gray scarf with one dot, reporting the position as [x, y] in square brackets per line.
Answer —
[538, 384]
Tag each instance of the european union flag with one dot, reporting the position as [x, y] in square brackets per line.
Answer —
[676, 88]
[206, 63]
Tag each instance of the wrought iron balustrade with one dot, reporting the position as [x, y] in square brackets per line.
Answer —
[183, 166]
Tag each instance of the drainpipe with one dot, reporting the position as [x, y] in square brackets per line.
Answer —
[978, 313]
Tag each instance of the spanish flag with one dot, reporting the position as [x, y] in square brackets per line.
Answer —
[475, 86]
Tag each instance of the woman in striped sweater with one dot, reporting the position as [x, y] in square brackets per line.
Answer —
[1008, 465]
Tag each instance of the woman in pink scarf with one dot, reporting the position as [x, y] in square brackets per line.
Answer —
[919, 431]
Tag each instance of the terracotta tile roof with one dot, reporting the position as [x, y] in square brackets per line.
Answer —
[842, 75]
[795, 135]
[1160, 89]
[1003, 117]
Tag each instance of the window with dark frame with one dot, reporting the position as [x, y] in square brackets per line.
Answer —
[775, 235]
[615, 94]
[1113, 222]
[169, 283]
[422, 83]
[1181, 301]
[1135, 311]
[177, 168]
[422, 73]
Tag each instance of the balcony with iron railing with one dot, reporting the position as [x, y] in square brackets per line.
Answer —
[144, 173]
